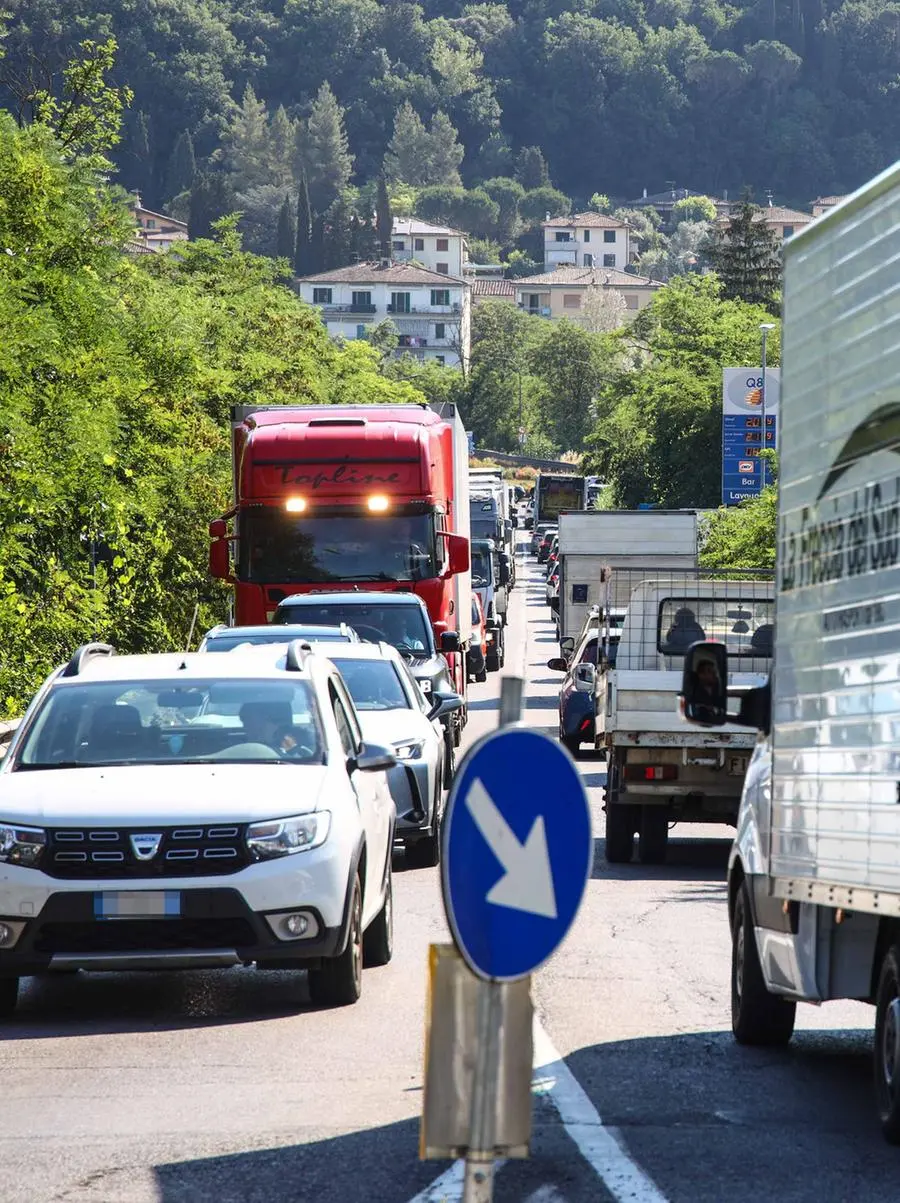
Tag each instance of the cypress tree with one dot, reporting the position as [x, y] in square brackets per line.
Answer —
[317, 246]
[182, 166]
[303, 246]
[285, 237]
[384, 219]
[210, 199]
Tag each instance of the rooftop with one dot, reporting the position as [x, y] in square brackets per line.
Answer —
[591, 221]
[828, 200]
[376, 273]
[493, 288]
[412, 225]
[669, 197]
[779, 213]
[600, 277]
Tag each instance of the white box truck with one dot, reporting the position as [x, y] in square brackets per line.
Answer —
[814, 874]
[594, 541]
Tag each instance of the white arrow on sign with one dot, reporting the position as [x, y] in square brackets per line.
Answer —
[527, 884]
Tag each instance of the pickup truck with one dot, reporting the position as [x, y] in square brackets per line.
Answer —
[659, 771]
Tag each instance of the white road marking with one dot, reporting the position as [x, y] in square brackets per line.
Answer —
[622, 1177]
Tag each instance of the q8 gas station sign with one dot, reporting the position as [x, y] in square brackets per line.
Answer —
[744, 434]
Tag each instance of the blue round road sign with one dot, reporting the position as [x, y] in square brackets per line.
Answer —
[517, 852]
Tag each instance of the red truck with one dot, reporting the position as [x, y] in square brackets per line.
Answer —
[346, 497]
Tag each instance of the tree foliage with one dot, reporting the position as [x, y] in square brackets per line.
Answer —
[117, 375]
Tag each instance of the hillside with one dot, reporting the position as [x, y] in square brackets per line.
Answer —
[619, 95]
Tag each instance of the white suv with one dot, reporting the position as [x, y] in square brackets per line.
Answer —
[189, 811]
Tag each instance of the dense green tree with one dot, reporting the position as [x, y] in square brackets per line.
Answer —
[409, 151]
[182, 166]
[384, 219]
[211, 198]
[571, 363]
[743, 536]
[535, 206]
[286, 233]
[444, 151]
[247, 142]
[507, 195]
[746, 254]
[531, 168]
[324, 150]
[303, 255]
[338, 234]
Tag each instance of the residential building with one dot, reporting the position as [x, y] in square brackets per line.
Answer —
[438, 248]
[492, 289]
[585, 240]
[664, 202]
[784, 221]
[823, 203]
[431, 310]
[562, 293]
[157, 231]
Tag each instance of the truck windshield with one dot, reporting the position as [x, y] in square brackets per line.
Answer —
[484, 528]
[481, 567]
[403, 626]
[280, 548]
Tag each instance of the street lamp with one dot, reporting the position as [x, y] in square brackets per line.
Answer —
[764, 329]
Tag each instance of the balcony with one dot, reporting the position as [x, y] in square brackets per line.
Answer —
[419, 310]
[350, 308]
[561, 253]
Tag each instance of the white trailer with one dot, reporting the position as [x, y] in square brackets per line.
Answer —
[814, 874]
[594, 542]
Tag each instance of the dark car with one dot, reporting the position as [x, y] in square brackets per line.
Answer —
[545, 544]
[225, 639]
[400, 619]
[576, 698]
[476, 652]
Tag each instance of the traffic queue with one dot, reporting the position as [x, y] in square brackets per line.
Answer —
[241, 804]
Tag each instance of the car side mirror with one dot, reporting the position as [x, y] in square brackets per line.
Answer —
[444, 703]
[585, 678]
[558, 665]
[373, 757]
[704, 684]
[449, 642]
[459, 553]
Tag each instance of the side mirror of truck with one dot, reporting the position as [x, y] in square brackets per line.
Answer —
[459, 554]
[219, 560]
[449, 642]
[558, 665]
[704, 684]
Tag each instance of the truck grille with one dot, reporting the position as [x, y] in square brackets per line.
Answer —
[75, 853]
[143, 935]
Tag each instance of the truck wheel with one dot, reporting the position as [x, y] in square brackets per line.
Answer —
[653, 839]
[887, 1046]
[338, 983]
[620, 824]
[572, 744]
[757, 1017]
[378, 942]
[9, 994]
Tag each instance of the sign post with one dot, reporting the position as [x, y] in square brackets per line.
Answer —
[517, 853]
[749, 424]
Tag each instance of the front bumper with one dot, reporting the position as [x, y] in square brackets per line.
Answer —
[222, 920]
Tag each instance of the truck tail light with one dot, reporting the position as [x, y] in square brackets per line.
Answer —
[651, 772]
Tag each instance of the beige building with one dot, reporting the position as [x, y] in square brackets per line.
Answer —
[564, 292]
[823, 203]
[785, 222]
[585, 240]
[438, 248]
[157, 231]
[431, 310]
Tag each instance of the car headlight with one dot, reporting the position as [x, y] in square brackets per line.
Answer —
[425, 686]
[22, 845]
[281, 837]
[411, 749]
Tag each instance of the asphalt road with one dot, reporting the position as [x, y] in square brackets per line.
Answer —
[229, 1086]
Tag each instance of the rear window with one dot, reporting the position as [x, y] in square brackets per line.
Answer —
[745, 627]
[373, 684]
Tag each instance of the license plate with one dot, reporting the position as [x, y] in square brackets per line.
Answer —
[737, 765]
[138, 904]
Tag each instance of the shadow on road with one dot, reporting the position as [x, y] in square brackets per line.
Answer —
[686, 860]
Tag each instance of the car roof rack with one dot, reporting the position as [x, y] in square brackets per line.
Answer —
[298, 650]
[86, 652]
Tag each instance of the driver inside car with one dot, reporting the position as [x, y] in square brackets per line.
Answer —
[269, 723]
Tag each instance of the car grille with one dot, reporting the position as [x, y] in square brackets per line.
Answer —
[76, 853]
[143, 935]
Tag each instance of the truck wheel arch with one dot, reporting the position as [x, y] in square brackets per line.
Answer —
[735, 881]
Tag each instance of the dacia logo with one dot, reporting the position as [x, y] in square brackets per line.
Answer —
[146, 845]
